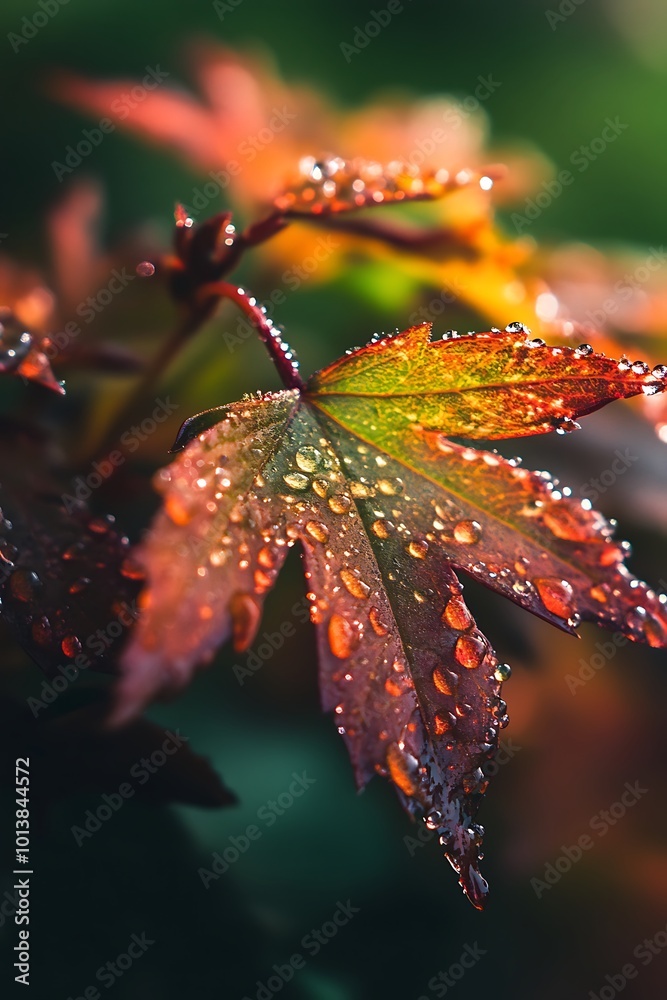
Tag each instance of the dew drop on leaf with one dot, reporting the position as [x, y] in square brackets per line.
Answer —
[503, 672]
[354, 585]
[556, 595]
[441, 682]
[340, 503]
[296, 480]
[418, 548]
[71, 646]
[456, 614]
[342, 637]
[382, 528]
[23, 584]
[378, 625]
[308, 459]
[321, 487]
[245, 612]
[469, 651]
[467, 532]
[317, 530]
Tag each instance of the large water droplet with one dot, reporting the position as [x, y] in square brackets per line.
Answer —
[418, 548]
[556, 595]
[378, 624]
[467, 532]
[470, 651]
[456, 614]
[382, 528]
[308, 459]
[343, 639]
[296, 481]
[503, 672]
[340, 503]
[317, 530]
[354, 585]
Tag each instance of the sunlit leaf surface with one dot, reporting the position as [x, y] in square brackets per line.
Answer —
[361, 470]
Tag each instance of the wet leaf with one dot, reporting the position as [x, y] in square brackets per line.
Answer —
[68, 584]
[360, 470]
[334, 185]
[20, 353]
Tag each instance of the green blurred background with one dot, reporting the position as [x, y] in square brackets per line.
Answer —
[139, 874]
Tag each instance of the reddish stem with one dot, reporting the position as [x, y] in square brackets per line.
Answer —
[281, 353]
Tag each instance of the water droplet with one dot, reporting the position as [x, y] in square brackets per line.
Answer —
[79, 585]
[71, 646]
[470, 651]
[266, 558]
[640, 368]
[402, 769]
[583, 351]
[392, 687]
[660, 371]
[390, 488]
[321, 487]
[467, 532]
[456, 614]
[378, 624]
[343, 639]
[382, 528]
[41, 631]
[418, 548]
[503, 672]
[340, 503]
[132, 569]
[23, 584]
[360, 490]
[308, 459]
[296, 480]
[245, 612]
[600, 593]
[145, 269]
[556, 595]
[317, 530]
[442, 682]
[441, 724]
[354, 585]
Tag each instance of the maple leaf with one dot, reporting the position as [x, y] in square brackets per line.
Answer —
[359, 467]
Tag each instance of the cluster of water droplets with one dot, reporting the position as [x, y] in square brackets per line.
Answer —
[332, 184]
